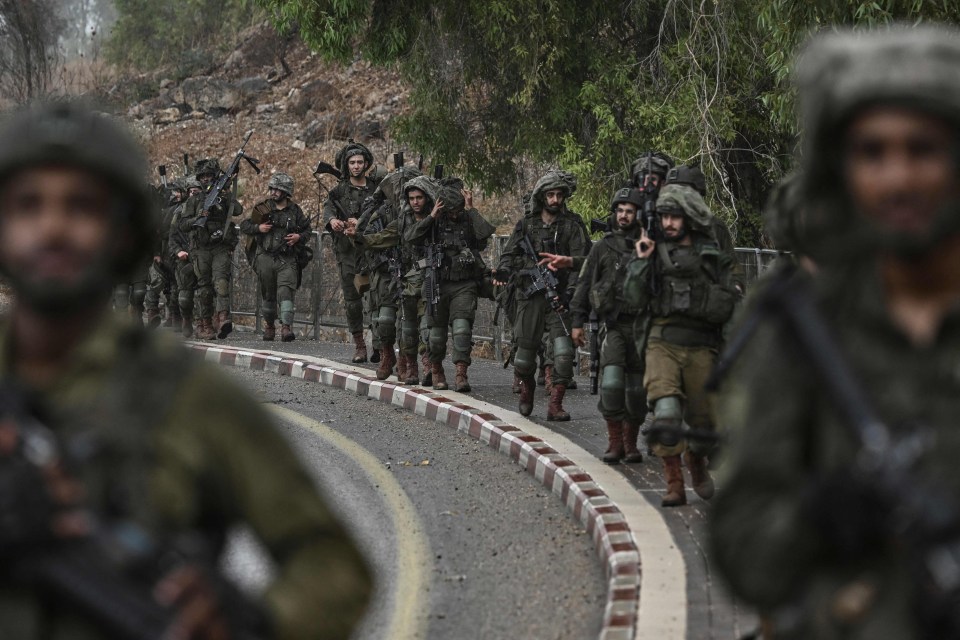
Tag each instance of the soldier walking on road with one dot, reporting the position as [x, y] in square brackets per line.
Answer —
[682, 284]
[623, 402]
[178, 245]
[280, 230]
[162, 279]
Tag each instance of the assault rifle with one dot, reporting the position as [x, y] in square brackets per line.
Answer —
[599, 226]
[593, 324]
[224, 179]
[919, 519]
[106, 576]
[648, 215]
[543, 279]
[431, 264]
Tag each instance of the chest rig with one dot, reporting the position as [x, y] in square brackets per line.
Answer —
[692, 283]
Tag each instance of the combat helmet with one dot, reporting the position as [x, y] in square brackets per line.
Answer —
[656, 162]
[690, 176]
[428, 185]
[351, 149]
[553, 179]
[281, 182]
[626, 195]
[71, 133]
[683, 199]
[207, 167]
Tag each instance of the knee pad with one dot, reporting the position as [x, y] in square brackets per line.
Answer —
[667, 413]
[563, 351]
[387, 316]
[525, 362]
[286, 311]
[222, 287]
[462, 334]
[612, 388]
[636, 396]
[438, 340]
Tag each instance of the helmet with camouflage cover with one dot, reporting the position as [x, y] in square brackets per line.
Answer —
[69, 133]
[351, 149]
[207, 167]
[683, 199]
[656, 162]
[690, 176]
[191, 182]
[629, 196]
[551, 180]
[392, 186]
[841, 74]
[281, 182]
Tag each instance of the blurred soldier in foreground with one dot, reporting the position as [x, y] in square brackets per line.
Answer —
[123, 459]
[623, 403]
[279, 230]
[839, 513]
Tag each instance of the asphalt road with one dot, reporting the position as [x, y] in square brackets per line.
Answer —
[488, 553]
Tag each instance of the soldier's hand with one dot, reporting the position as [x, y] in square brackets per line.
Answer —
[182, 255]
[294, 238]
[337, 225]
[498, 278]
[555, 262]
[264, 227]
[436, 208]
[352, 222]
[645, 245]
[467, 198]
[578, 337]
[350, 232]
[199, 616]
[157, 259]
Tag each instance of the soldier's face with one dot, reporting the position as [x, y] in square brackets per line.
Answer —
[55, 227]
[553, 200]
[673, 224]
[195, 190]
[205, 179]
[276, 195]
[626, 215]
[900, 167]
[356, 165]
[417, 200]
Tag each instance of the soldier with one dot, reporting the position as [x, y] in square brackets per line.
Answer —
[164, 263]
[279, 229]
[682, 283]
[459, 233]
[178, 244]
[114, 439]
[550, 228]
[831, 534]
[600, 287]
[340, 212]
[211, 251]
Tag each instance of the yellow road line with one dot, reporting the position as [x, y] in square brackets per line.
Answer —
[408, 619]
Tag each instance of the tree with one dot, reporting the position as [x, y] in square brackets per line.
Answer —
[29, 34]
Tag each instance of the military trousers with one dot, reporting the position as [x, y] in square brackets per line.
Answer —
[214, 267]
[186, 278]
[352, 302]
[622, 392]
[387, 316]
[457, 308]
[162, 280]
[681, 372]
[534, 318]
[278, 283]
[414, 332]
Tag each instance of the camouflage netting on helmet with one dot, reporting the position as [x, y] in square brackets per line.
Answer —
[392, 186]
[207, 166]
[352, 149]
[680, 198]
[423, 183]
[281, 182]
[783, 215]
[661, 164]
[554, 179]
[452, 198]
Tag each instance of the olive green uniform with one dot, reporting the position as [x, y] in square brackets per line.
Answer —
[211, 250]
[184, 272]
[600, 287]
[162, 277]
[345, 202]
[275, 261]
[182, 450]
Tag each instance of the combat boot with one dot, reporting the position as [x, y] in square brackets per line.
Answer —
[186, 327]
[462, 384]
[439, 377]
[673, 471]
[527, 387]
[376, 356]
[699, 475]
[614, 451]
[426, 379]
[548, 379]
[269, 330]
[360, 355]
[631, 431]
[412, 376]
[388, 359]
[153, 318]
[224, 324]
[555, 412]
[286, 333]
[205, 330]
[516, 383]
[401, 368]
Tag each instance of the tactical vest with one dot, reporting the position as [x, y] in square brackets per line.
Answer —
[692, 283]
[217, 229]
[606, 291]
[284, 222]
[462, 260]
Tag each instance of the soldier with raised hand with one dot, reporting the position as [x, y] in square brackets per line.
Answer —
[460, 234]
[162, 277]
[211, 251]
[682, 284]
[837, 514]
[623, 402]
[550, 228]
[125, 460]
[279, 229]
[340, 212]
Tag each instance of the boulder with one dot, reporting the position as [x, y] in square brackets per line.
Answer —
[166, 116]
[252, 88]
[214, 96]
[332, 126]
[317, 95]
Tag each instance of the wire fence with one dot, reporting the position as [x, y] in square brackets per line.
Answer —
[320, 306]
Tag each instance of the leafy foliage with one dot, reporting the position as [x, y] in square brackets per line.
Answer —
[500, 86]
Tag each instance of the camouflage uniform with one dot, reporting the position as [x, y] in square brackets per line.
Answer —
[687, 291]
[796, 527]
[275, 261]
[460, 235]
[184, 273]
[344, 202]
[564, 235]
[162, 275]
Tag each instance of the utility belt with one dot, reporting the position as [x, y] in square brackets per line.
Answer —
[686, 336]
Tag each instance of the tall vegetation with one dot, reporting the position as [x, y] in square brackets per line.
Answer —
[591, 85]
[29, 51]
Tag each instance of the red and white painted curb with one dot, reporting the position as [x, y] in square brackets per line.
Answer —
[583, 497]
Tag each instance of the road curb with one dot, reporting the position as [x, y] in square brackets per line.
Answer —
[582, 496]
